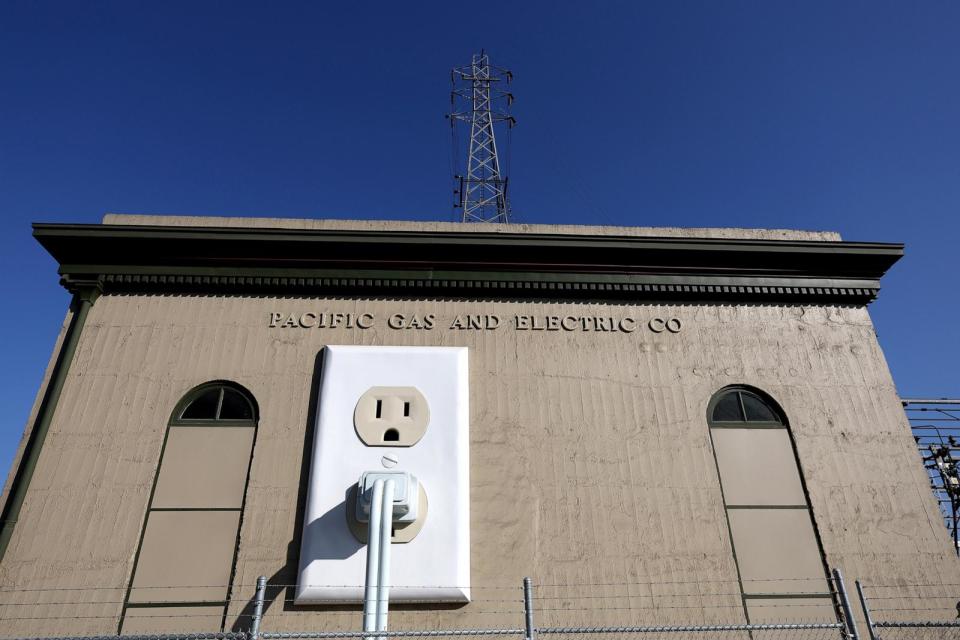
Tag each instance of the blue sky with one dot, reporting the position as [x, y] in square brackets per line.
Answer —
[815, 115]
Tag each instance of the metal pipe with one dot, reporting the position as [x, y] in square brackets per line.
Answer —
[433, 633]
[845, 604]
[373, 559]
[866, 610]
[383, 581]
[258, 608]
[528, 607]
[164, 636]
[907, 401]
[711, 628]
[932, 624]
[440, 633]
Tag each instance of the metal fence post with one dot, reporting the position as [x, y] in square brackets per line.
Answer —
[845, 604]
[528, 608]
[866, 610]
[258, 607]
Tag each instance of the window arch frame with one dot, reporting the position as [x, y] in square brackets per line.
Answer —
[774, 407]
[177, 419]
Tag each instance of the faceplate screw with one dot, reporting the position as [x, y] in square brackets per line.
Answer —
[390, 460]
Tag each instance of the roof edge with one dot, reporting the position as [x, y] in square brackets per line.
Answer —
[410, 225]
[391, 261]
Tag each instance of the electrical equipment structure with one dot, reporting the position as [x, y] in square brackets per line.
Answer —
[477, 88]
[935, 423]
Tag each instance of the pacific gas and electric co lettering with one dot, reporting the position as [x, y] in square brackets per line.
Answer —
[471, 322]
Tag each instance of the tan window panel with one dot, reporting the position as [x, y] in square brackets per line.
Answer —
[786, 610]
[204, 467]
[185, 557]
[777, 551]
[155, 620]
[757, 467]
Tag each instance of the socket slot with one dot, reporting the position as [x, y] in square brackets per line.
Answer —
[391, 416]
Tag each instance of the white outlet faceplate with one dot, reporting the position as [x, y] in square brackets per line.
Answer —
[435, 565]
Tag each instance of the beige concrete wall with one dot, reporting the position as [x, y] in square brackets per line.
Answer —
[32, 417]
[591, 463]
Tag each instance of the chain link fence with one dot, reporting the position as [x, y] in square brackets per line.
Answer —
[615, 611]
[929, 611]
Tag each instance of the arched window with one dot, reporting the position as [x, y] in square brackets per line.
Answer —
[188, 545]
[736, 405]
[777, 551]
[215, 403]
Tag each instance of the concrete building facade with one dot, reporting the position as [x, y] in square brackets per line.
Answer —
[699, 423]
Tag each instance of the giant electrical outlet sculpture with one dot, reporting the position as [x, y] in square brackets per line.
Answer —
[390, 456]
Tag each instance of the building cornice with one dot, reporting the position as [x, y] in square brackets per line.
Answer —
[231, 260]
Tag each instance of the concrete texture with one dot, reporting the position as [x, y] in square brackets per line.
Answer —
[591, 463]
[398, 225]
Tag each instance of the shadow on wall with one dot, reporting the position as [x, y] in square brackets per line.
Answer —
[279, 585]
[331, 528]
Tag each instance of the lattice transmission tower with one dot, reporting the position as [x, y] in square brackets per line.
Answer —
[480, 99]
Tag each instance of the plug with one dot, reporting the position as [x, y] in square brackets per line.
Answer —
[406, 494]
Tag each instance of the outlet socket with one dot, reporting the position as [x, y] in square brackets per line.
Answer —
[391, 416]
[432, 557]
